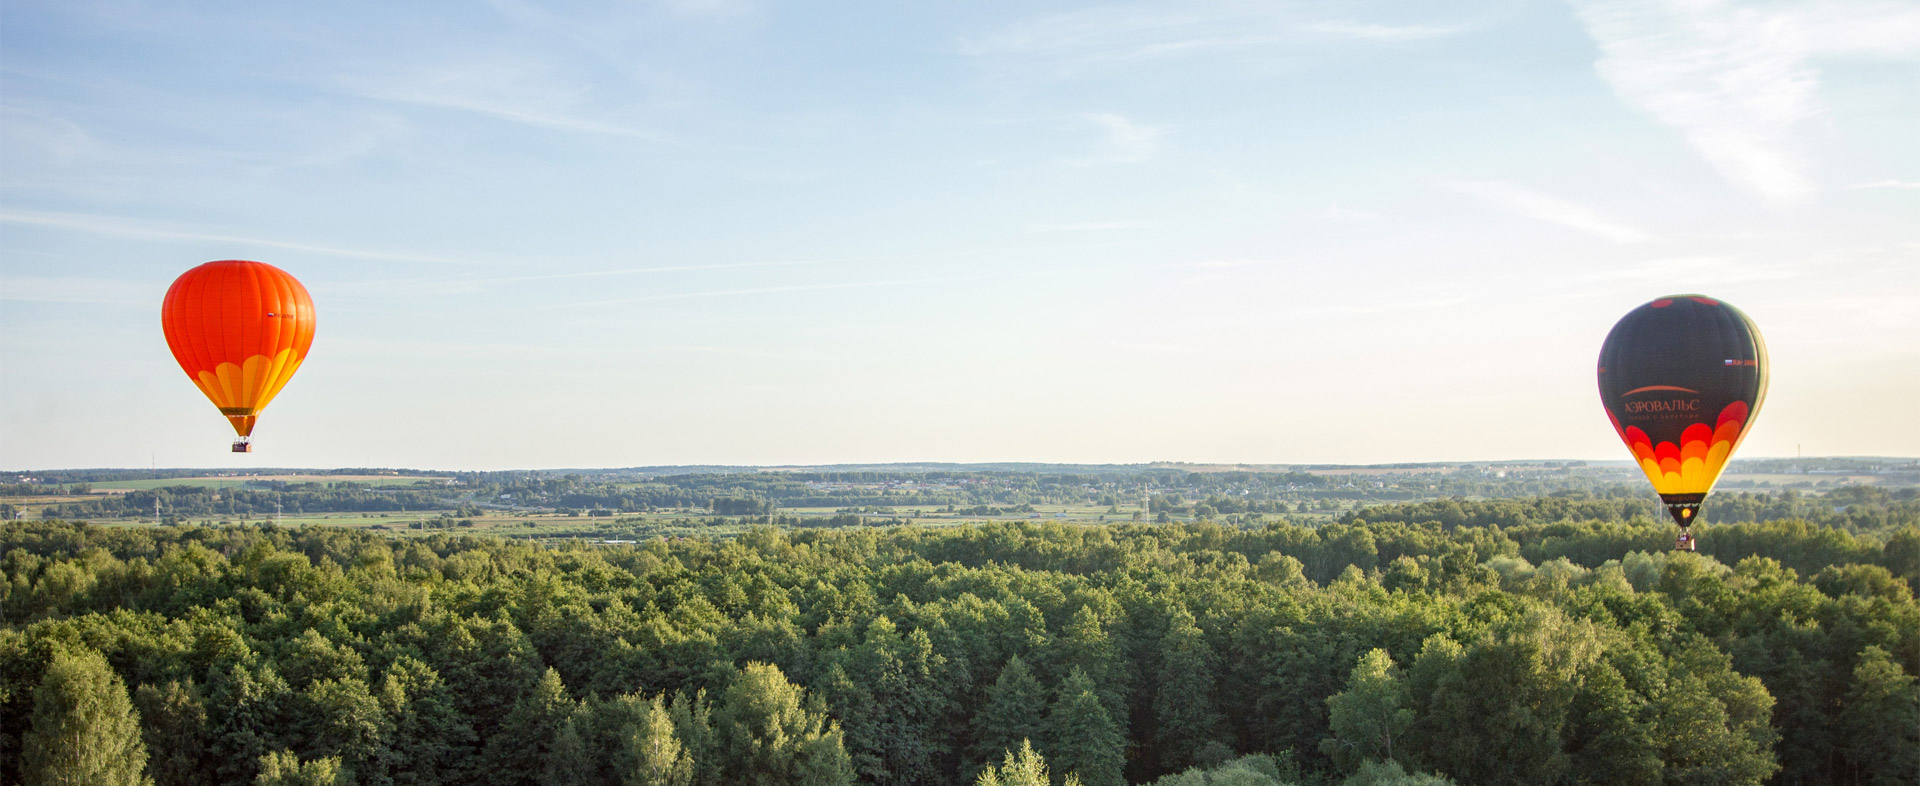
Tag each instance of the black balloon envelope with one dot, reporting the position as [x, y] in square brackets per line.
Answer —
[1682, 379]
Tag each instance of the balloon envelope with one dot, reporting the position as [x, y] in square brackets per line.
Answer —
[239, 329]
[1682, 379]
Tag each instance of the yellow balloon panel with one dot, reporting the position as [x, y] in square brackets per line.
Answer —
[245, 388]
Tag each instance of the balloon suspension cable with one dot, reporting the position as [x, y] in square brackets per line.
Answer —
[243, 445]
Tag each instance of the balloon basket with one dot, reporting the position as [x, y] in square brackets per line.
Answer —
[242, 446]
[1684, 542]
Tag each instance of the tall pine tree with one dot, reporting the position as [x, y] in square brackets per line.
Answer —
[1185, 715]
[1084, 740]
[1015, 711]
[692, 720]
[1084, 644]
[517, 754]
[430, 738]
[1881, 718]
[174, 724]
[569, 761]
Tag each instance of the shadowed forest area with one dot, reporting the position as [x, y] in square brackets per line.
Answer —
[1522, 641]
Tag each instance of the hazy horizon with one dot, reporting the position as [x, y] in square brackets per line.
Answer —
[1734, 468]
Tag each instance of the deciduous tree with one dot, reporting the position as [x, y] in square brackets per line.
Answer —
[85, 732]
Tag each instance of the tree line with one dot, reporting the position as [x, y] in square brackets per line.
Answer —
[1578, 651]
[1173, 493]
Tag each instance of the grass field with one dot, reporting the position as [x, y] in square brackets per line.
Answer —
[233, 481]
[640, 526]
[1806, 481]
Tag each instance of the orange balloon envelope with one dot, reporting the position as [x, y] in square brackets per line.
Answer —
[239, 329]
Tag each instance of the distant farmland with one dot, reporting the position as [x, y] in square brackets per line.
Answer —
[230, 481]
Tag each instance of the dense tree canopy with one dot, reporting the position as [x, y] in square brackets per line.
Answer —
[1387, 651]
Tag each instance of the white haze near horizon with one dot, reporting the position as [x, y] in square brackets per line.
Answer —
[751, 233]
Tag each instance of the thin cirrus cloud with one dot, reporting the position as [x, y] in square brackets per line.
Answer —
[1527, 203]
[97, 291]
[1086, 226]
[110, 226]
[1718, 269]
[1124, 141]
[1365, 31]
[1894, 184]
[520, 93]
[838, 285]
[1134, 31]
[1738, 82]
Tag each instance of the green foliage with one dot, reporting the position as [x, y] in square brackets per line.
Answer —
[650, 753]
[1251, 770]
[768, 738]
[1026, 767]
[1370, 715]
[173, 722]
[1082, 737]
[1014, 713]
[85, 732]
[692, 721]
[1714, 721]
[920, 655]
[518, 752]
[568, 759]
[1186, 715]
[1881, 722]
[430, 740]
[284, 768]
[1390, 773]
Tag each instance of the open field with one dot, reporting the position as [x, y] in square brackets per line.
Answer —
[654, 523]
[1731, 479]
[550, 504]
[236, 481]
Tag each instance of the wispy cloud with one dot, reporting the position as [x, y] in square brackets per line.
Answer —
[528, 93]
[1126, 32]
[769, 290]
[443, 285]
[1898, 184]
[1085, 226]
[98, 291]
[1737, 81]
[1532, 204]
[1225, 264]
[1365, 31]
[120, 227]
[1123, 141]
[835, 285]
[1717, 269]
[451, 286]
[1347, 215]
[712, 9]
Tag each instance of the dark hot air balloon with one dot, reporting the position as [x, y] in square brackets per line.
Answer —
[239, 329]
[1682, 379]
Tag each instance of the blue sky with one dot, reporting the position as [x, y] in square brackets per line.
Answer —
[733, 231]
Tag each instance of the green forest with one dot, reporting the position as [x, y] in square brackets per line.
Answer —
[1540, 640]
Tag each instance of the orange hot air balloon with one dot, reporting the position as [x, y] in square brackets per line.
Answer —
[239, 329]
